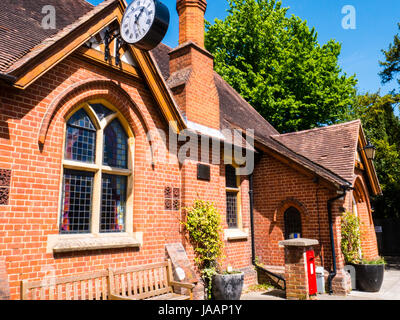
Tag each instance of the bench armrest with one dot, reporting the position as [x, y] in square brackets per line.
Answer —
[186, 285]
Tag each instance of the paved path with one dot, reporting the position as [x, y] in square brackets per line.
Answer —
[390, 290]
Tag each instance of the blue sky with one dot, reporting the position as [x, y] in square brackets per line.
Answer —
[376, 25]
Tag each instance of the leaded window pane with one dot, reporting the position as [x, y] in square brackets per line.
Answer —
[115, 145]
[231, 209]
[81, 119]
[76, 202]
[81, 138]
[230, 177]
[101, 110]
[113, 203]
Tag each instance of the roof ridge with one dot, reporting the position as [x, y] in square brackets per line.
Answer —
[317, 129]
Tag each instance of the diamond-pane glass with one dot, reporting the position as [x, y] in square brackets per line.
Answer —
[113, 203]
[115, 145]
[231, 209]
[81, 138]
[76, 202]
[101, 110]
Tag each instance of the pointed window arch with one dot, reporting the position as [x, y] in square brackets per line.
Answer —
[81, 138]
[98, 170]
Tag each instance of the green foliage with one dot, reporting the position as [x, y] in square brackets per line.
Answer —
[276, 63]
[263, 287]
[391, 65]
[382, 128]
[380, 260]
[203, 225]
[351, 238]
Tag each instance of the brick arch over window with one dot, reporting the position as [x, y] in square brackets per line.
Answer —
[286, 204]
[87, 90]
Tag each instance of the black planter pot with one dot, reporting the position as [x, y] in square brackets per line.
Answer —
[227, 286]
[369, 277]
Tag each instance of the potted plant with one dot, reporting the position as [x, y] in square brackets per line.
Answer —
[227, 285]
[369, 273]
[203, 224]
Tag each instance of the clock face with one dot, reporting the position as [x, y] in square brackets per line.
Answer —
[137, 20]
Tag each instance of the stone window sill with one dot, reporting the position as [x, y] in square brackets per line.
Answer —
[59, 243]
[236, 234]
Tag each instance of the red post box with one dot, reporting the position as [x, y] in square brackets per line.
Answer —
[312, 279]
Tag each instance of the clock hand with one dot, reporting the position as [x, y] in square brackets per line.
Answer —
[138, 16]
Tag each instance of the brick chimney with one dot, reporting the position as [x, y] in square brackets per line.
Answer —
[191, 20]
[192, 67]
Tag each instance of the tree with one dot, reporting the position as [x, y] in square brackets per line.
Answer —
[391, 65]
[382, 128]
[276, 63]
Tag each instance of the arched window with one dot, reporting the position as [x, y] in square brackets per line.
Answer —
[292, 219]
[97, 171]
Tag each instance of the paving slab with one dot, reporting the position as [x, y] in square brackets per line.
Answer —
[390, 290]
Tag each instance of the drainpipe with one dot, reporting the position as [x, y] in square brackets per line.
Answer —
[253, 250]
[333, 272]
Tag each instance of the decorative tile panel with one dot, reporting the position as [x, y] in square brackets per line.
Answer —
[5, 182]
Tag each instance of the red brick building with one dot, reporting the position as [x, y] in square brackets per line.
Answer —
[89, 182]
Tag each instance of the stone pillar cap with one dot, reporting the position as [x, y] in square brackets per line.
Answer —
[298, 242]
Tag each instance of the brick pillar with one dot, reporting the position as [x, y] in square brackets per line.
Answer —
[4, 286]
[295, 267]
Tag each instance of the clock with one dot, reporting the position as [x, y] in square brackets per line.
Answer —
[145, 23]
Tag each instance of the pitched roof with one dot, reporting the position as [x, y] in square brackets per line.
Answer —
[237, 113]
[333, 147]
[21, 25]
[17, 49]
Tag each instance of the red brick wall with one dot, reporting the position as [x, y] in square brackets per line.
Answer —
[275, 184]
[369, 246]
[33, 209]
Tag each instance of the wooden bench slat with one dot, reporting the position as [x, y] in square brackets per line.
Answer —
[83, 290]
[150, 294]
[129, 284]
[140, 268]
[51, 292]
[123, 286]
[104, 285]
[135, 283]
[59, 293]
[90, 285]
[96, 290]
